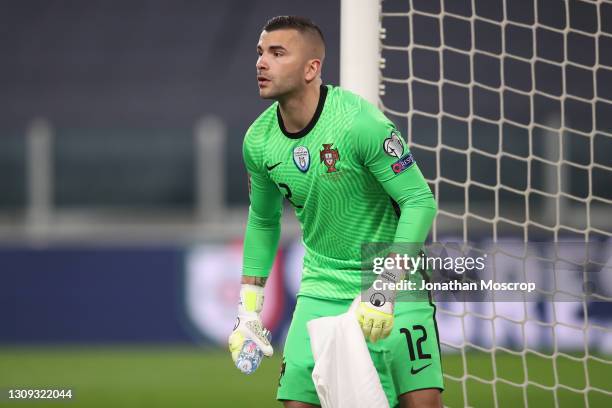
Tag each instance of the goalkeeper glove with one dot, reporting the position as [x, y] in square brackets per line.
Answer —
[375, 316]
[248, 323]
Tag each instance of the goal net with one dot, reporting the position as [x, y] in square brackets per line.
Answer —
[507, 108]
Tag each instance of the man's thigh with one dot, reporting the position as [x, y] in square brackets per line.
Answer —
[428, 398]
[298, 404]
[408, 360]
[411, 354]
[295, 382]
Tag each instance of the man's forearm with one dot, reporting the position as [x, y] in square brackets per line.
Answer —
[261, 240]
[254, 280]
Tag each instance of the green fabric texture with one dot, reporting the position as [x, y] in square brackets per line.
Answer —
[400, 368]
[340, 178]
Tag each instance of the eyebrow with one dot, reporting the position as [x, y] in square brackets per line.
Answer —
[273, 47]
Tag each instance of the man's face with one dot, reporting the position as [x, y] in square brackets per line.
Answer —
[281, 62]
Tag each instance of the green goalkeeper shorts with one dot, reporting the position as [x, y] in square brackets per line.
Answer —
[407, 360]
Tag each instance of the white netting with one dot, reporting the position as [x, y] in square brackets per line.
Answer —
[507, 107]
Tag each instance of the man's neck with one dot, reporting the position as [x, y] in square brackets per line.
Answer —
[298, 110]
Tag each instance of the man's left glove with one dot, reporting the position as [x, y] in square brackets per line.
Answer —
[375, 316]
[248, 323]
[375, 306]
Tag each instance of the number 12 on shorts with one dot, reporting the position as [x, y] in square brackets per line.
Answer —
[419, 342]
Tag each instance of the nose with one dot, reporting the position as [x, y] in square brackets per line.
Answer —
[261, 63]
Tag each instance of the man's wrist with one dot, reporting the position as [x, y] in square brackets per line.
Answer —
[392, 276]
[254, 280]
[383, 288]
[251, 298]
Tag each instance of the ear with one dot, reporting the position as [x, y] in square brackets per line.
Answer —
[312, 69]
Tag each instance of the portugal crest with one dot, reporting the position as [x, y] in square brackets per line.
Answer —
[329, 157]
[301, 158]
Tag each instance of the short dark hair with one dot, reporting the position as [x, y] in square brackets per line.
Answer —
[301, 24]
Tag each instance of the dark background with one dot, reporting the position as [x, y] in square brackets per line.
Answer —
[123, 84]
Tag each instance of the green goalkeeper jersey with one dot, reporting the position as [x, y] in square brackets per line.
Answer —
[351, 180]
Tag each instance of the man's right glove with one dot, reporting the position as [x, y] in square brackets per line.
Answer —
[248, 323]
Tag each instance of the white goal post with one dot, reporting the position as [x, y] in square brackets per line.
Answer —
[360, 47]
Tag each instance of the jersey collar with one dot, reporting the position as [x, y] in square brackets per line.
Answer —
[313, 121]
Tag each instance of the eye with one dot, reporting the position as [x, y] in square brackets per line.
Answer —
[278, 54]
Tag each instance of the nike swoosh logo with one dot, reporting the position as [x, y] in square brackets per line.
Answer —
[413, 371]
[270, 168]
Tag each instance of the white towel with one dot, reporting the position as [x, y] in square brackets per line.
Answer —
[344, 374]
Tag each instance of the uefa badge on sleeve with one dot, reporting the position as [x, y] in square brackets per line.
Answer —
[301, 158]
[393, 145]
[402, 164]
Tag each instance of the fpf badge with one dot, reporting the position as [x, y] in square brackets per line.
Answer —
[329, 157]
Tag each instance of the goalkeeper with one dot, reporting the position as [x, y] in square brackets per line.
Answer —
[351, 179]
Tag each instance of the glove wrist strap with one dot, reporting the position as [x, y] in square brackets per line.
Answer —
[251, 298]
[380, 292]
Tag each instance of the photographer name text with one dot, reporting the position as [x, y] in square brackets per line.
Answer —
[455, 286]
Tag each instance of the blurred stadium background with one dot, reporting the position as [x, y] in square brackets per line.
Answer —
[123, 193]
